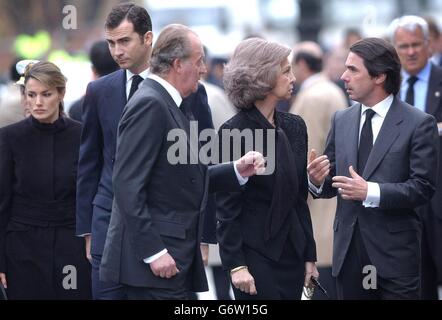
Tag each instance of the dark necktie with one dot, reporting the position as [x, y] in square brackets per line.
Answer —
[409, 98]
[136, 80]
[186, 109]
[366, 141]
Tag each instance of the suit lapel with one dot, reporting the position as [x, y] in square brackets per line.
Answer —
[351, 135]
[389, 132]
[434, 90]
[116, 100]
[180, 119]
[117, 97]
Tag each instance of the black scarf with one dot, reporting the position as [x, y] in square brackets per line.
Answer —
[285, 187]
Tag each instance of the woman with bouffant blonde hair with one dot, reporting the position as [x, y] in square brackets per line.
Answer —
[40, 257]
[265, 232]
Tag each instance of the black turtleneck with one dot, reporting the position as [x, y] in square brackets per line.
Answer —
[38, 167]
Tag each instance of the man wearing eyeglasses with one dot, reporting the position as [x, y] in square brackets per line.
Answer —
[422, 88]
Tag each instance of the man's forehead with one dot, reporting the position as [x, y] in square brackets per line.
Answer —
[416, 32]
[353, 58]
[125, 29]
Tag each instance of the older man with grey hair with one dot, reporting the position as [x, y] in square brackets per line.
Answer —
[422, 88]
[152, 246]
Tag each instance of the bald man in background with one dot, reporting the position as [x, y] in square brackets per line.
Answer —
[318, 99]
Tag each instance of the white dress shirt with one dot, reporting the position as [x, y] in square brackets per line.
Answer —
[381, 109]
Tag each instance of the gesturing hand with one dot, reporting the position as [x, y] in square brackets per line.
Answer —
[354, 188]
[318, 168]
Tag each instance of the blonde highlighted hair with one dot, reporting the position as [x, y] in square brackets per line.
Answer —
[253, 71]
[49, 75]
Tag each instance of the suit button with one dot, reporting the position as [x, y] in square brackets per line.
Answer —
[113, 160]
[193, 181]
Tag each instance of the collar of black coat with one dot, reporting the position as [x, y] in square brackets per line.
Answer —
[258, 117]
[56, 126]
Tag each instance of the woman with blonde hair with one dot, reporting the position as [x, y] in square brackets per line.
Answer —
[40, 257]
[265, 231]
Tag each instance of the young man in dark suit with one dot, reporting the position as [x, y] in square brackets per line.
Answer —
[152, 246]
[381, 161]
[129, 35]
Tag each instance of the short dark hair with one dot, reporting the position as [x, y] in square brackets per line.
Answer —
[101, 59]
[313, 63]
[131, 12]
[380, 57]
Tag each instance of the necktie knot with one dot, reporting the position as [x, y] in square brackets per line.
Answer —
[186, 109]
[409, 97]
[412, 80]
[369, 114]
[136, 80]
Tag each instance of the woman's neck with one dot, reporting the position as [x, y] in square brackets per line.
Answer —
[267, 108]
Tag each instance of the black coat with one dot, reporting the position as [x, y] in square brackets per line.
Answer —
[38, 167]
[243, 216]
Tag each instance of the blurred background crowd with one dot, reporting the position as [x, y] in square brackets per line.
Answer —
[34, 29]
[38, 29]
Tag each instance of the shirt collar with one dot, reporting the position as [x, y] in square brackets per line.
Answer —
[380, 108]
[423, 75]
[169, 88]
[143, 74]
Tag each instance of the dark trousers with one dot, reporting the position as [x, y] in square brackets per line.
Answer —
[222, 283]
[274, 280]
[349, 283]
[143, 293]
[102, 290]
[429, 290]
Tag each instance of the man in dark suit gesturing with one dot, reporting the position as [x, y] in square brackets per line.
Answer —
[381, 160]
[152, 246]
